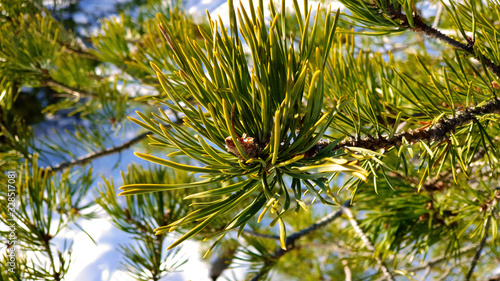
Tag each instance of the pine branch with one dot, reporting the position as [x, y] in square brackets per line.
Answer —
[80, 51]
[443, 258]
[37, 6]
[366, 241]
[79, 93]
[437, 133]
[92, 156]
[340, 248]
[420, 26]
[438, 15]
[445, 274]
[77, 51]
[46, 243]
[70, 90]
[261, 235]
[290, 240]
[478, 252]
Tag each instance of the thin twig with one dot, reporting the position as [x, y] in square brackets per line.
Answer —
[79, 93]
[438, 15]
[421, 27]
[367, 243]
[81, 51]
[479, 250]
[70, 90]
[46, 242]
[37, 6]
[261, 235]
[347, 270]
[290, 240]
[92, 156]
[427, 272]
[436, 261]
[443, 258]
[445, 274]
[340, 248]
[77, 51]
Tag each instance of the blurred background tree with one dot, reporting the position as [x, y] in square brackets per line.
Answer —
[303, 142]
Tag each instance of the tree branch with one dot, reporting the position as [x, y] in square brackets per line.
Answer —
[46, 243]
[479, 250]
[77, 51]
[81, 93]
[72, 91]
[261, 235]
[89, 157]
[437, 133]
[80, 51]
[366, 241]
[441, 259]
[421, 27]
[347, 270]
[438, 15]
[340, 247]
[290, 240]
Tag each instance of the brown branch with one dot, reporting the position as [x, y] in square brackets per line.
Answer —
[92, 156]
[421, 27]
[439, 132]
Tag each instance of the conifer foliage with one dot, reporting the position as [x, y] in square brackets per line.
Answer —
[297, 141]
